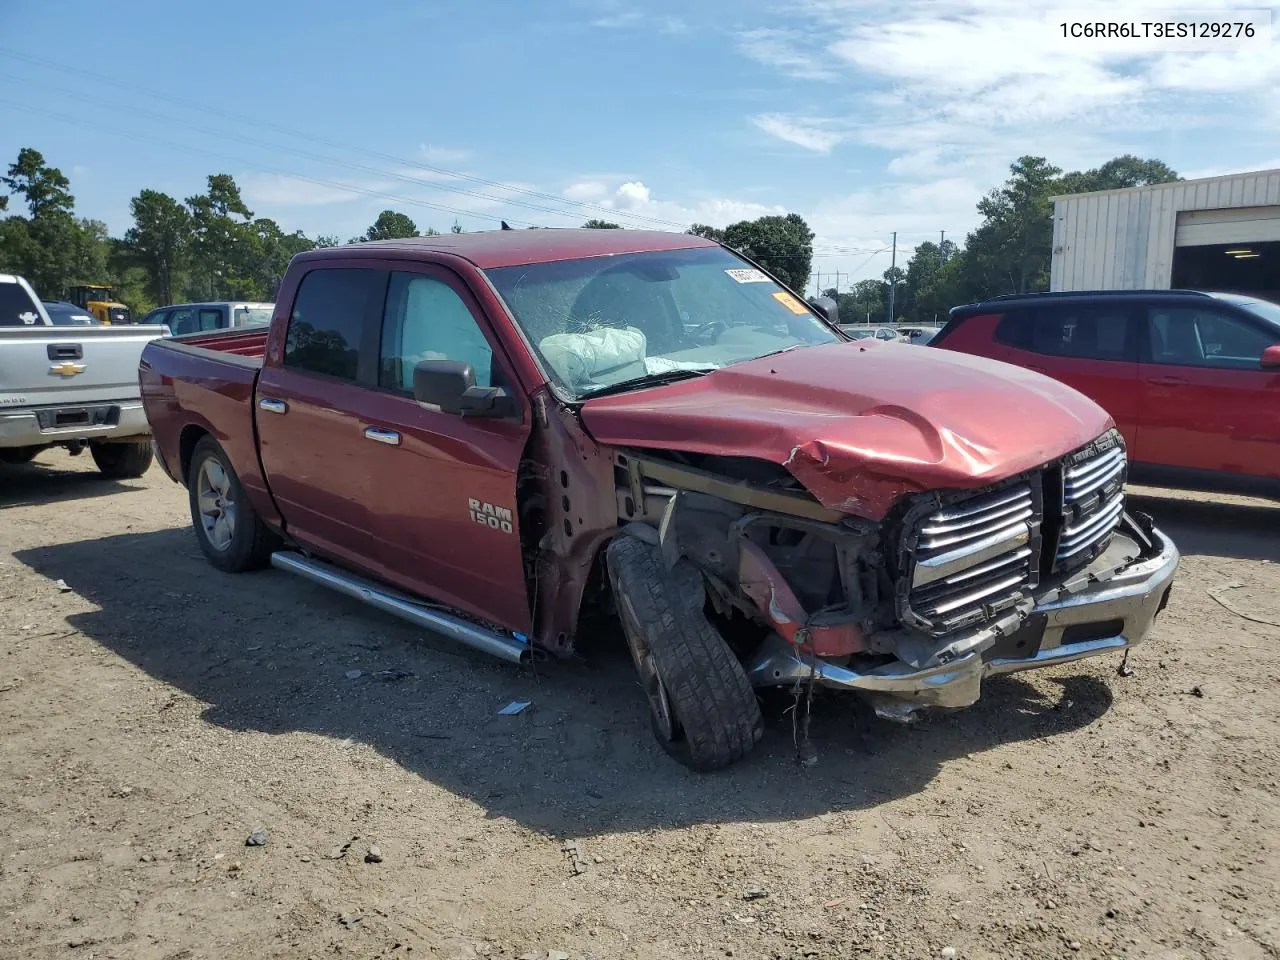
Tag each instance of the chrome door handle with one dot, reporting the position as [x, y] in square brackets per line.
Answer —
[389, 437]
[273, 406]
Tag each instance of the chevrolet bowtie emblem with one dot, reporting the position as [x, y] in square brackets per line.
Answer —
[67, 369]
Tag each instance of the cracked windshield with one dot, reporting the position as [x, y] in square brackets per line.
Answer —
[612, 321]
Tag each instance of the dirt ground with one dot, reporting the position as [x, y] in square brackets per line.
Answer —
[154, 712]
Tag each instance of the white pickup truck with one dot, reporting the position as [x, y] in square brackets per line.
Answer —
[72, 387]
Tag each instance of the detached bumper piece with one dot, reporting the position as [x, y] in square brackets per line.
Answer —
[1105, 607]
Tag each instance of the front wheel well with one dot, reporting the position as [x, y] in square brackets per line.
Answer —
[191, 435]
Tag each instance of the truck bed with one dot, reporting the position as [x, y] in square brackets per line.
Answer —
[204, 384]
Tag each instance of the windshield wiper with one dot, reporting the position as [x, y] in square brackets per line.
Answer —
[646, 380]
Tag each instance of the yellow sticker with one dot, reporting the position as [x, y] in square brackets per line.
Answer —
[791, 303]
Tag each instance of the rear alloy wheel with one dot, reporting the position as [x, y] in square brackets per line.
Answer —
[123, 460]
[231, 535]
[701, 704]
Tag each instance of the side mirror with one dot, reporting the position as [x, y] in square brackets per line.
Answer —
[829, 309]
[451, 386]
[1271, 357]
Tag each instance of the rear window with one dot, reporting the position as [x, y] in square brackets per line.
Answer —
[1087, 332]
[16, 308]
[251, 317]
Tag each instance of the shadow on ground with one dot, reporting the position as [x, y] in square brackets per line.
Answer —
[270, 653]
[1245, 531]
[29, 484]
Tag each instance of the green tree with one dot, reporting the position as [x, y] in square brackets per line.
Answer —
[456, 228]
[159, 241]
[391, 225]
[221, 231]
[597, 224]
[45, 189]
[783, 245]
[1009, 252]
[327, 240]
[1118, 173]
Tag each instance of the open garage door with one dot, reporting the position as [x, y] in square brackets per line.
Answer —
[1230, 250]
[1240, 225]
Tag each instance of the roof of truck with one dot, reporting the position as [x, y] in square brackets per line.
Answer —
[509, 248]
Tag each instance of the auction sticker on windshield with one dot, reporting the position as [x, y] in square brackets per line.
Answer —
[747, 275]
[791, 303]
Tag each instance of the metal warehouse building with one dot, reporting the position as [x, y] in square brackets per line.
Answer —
[1221, 233]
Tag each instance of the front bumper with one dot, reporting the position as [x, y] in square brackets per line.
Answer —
[1108, 606]
[49, 426]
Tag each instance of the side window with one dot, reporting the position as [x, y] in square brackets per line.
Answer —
[1012, 329]
[209, 318]
[182, 320]
[1186, 336]
[1093, 333]
[425, 319]
[328, 320]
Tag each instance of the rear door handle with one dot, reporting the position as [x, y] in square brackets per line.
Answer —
[389, 437]
[1167, 381]
[273, 406]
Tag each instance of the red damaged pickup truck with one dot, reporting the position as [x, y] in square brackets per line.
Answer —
[494, 435]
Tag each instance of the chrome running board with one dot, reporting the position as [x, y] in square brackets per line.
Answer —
[512, 648]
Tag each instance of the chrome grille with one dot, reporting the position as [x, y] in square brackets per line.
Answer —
[975, 558]
[1092, 503]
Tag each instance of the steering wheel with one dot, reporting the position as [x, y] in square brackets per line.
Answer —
[708, 333]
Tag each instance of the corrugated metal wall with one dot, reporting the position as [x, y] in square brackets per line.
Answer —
[1124, 239]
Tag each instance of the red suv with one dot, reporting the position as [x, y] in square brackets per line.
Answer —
[1192, 379]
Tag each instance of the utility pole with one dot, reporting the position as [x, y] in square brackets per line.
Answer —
[893, 282]
[942, 245]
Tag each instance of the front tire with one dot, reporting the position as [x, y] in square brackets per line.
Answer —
[122, 460]
[231, 534]
[703, 709]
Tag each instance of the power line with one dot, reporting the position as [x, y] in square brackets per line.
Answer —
[358, 167]
[240, 118]
[253, 164]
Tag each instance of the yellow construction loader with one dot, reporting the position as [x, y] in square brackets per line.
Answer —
[99, 301]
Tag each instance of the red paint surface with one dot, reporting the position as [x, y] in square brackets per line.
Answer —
[1199, 418]
[509, 248]
[860, 424]
[1203, 419]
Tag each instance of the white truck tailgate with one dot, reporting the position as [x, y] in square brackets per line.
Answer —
[46, 366]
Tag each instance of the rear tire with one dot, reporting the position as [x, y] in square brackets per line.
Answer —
[123, 460]
[16, 456]
[703, 709]
[231, 534]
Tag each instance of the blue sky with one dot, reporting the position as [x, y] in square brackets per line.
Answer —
[864, 116]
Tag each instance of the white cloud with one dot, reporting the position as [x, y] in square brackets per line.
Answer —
[635, 19]
[279, 190]
[633, 194]
[590, 190]
[812, 134]
[433, 153]
[619, 21]
[952, 91]
[792, 52]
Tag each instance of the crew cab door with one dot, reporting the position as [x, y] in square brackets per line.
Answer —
[445, 485]
[311, 414]
[1089, 346]
[1207, 404]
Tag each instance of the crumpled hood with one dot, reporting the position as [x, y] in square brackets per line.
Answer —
[861, 424]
